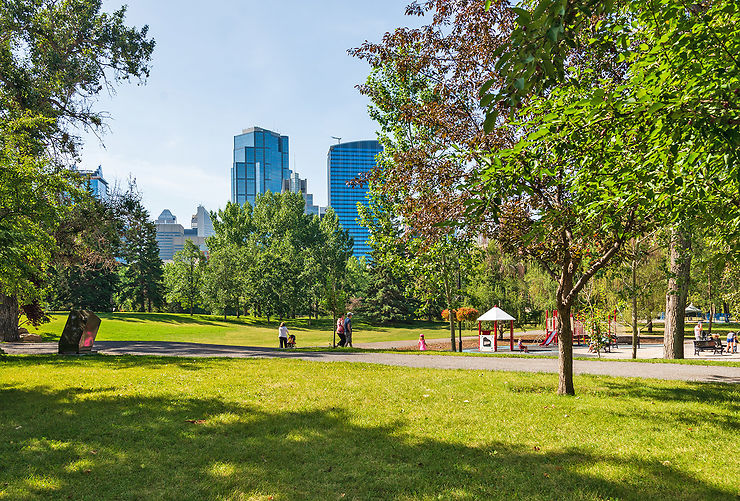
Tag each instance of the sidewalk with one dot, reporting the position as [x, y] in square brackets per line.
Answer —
[697, 373]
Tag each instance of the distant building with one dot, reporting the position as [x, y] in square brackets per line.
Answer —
[171, 236]
[260, 164]
[345, 161]
[95, 180]
[294, 184]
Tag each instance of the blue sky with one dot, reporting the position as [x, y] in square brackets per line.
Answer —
[223, 66]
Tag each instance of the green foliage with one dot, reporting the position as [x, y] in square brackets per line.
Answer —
[55, 58]
[83, 287]
[334, 251]
[223, 282]
[386, 303]
[282, 261]
[141, 276]
[183, 278]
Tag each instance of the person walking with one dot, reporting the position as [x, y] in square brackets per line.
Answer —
[340, 331]
[283, 335]
[348, 329]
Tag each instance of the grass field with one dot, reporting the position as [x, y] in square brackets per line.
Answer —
[155, 428]
[246, 331]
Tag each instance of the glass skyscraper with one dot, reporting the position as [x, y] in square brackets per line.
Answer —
[260, 164]
[345, 161]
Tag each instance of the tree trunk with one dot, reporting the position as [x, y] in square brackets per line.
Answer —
[334, 329]
[452, 326]
[711, 304]
[649, 325]
[634, 309]
[565, 351]
[678, 286]
[565, 332]
[459, 336]
[9, 318]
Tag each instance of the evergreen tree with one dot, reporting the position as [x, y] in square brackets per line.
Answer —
[141, 277]
[386, 302]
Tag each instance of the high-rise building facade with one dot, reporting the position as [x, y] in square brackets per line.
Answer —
[260, 164]
[345, 161]
[294, 184]
[95, 180]
[171, 236]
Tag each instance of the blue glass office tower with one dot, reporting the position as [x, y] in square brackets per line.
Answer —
[260, 164]
[344, 163]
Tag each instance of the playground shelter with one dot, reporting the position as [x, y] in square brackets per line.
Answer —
[485, 338]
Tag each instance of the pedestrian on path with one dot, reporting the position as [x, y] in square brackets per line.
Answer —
[283, 335]
[348, 329]
[340, 331]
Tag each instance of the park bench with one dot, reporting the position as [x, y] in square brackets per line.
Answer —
[617, 340]
[708, 344]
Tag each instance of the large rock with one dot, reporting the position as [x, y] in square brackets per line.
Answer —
[31, 338]
[79, 332]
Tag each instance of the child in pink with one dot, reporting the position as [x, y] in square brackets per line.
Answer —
[422, 343]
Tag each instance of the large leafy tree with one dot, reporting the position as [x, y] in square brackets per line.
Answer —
[661, 95]
[55, 58]
[332, 253]
[183, 277]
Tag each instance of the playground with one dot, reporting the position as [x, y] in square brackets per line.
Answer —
[604, 338]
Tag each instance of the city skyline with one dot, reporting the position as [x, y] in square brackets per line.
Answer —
[175, 134]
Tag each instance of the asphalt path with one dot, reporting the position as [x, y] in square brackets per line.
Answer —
[678, 372]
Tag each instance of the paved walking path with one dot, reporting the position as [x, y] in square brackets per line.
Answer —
[678, 372]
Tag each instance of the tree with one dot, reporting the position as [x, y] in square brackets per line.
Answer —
[223, 280]
[184, 276]
[333, 253]
[677, 93]
[141, 276]
[55, 57]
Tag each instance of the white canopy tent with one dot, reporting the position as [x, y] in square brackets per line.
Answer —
[495, 315]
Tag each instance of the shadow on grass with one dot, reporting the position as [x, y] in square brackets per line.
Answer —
[707, 393]
[99, 444]
[165, 318]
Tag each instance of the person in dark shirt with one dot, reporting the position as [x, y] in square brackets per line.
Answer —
[348, 329]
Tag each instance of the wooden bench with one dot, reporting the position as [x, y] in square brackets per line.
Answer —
[708, 344]
[617, 340]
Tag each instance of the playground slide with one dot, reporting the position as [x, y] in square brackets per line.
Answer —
[549, 340]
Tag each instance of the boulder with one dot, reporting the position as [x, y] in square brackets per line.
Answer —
[31, 338]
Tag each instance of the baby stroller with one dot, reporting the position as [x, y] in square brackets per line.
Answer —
[291, 341]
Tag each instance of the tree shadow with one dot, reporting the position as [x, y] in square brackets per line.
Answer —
[98, 444]
[164, 318]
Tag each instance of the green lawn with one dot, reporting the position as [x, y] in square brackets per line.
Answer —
[244, 332]
[104, 427]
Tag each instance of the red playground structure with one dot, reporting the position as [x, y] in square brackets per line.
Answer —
[580, 334]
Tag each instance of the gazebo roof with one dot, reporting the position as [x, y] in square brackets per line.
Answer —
[494, 314]
[692, 309]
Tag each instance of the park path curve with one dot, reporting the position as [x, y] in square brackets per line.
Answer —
[667, 371]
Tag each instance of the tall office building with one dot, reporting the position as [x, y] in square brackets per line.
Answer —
[260, 164]
[345, 161]
[171, 236]
[294, 184]
[95, 180]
